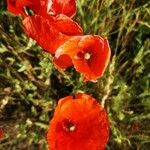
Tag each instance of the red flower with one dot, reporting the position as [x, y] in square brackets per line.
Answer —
[66, 7]
[78, 124]
[50, 32]
[43, 7]
[89, 54]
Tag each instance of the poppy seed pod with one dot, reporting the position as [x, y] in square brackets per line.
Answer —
[78, 124]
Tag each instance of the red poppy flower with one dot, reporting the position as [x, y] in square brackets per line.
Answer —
[78, 124]
[42, 7]
[66, 7]
[89, 54]
[50, 32]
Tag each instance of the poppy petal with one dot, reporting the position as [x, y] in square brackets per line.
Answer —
[67, 26]
[11, 7]
[63, 54]
[41, 30]
[63, 62]
[69, 48]
[37, 6]
[66, 7]
[22, 3]
[32, 4]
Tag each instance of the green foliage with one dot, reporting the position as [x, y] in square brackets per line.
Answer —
[30, 85]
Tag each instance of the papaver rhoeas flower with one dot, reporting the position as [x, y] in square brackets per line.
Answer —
[50, 32]
[78, 124]
[66, 7]
[42, 7]
[89, 54]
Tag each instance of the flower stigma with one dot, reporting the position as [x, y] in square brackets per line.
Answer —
[87, 56]
[68, 125]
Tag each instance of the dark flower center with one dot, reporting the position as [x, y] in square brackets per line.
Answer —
[84, 55]
[68, 125]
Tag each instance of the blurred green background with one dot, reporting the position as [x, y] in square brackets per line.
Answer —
[30, 86]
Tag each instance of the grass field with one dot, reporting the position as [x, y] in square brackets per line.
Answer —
[30, 84]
